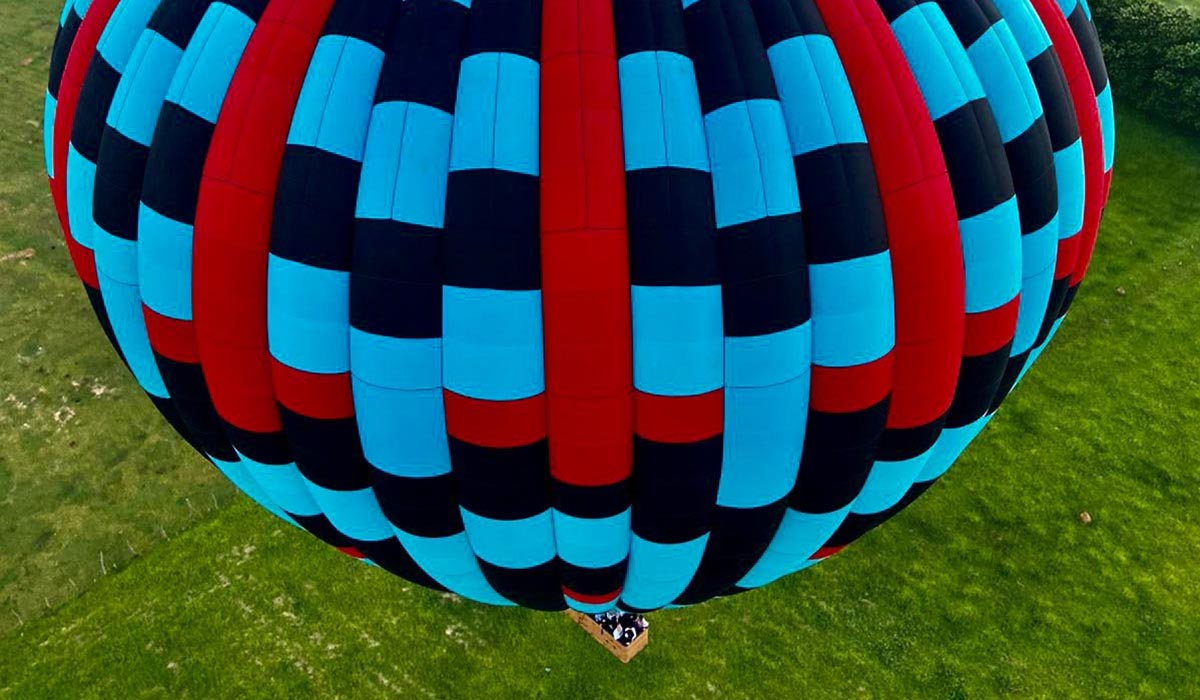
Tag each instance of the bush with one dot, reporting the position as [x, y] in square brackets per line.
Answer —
[1153, 56]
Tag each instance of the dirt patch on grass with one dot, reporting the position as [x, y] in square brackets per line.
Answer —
[19, 256]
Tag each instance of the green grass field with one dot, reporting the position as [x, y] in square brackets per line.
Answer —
[989, 587]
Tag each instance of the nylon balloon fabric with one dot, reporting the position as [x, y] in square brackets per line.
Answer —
[580, 303]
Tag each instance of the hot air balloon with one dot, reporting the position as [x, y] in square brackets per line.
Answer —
[580, 303]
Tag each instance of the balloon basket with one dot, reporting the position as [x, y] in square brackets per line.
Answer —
[623, 652]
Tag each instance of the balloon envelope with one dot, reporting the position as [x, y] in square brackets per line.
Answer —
[584, 303]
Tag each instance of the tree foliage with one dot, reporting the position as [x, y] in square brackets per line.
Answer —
[1153, 55]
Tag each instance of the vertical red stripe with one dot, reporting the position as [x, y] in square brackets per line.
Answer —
[233, 214]
[74, 73]
[585, 247]
[1087, 112]
[922, 221]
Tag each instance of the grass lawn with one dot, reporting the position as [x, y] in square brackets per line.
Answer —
[989, 587]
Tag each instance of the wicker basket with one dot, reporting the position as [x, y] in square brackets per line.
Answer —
[624, 653]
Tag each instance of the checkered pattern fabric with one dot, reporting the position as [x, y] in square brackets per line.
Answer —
[586, 303]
